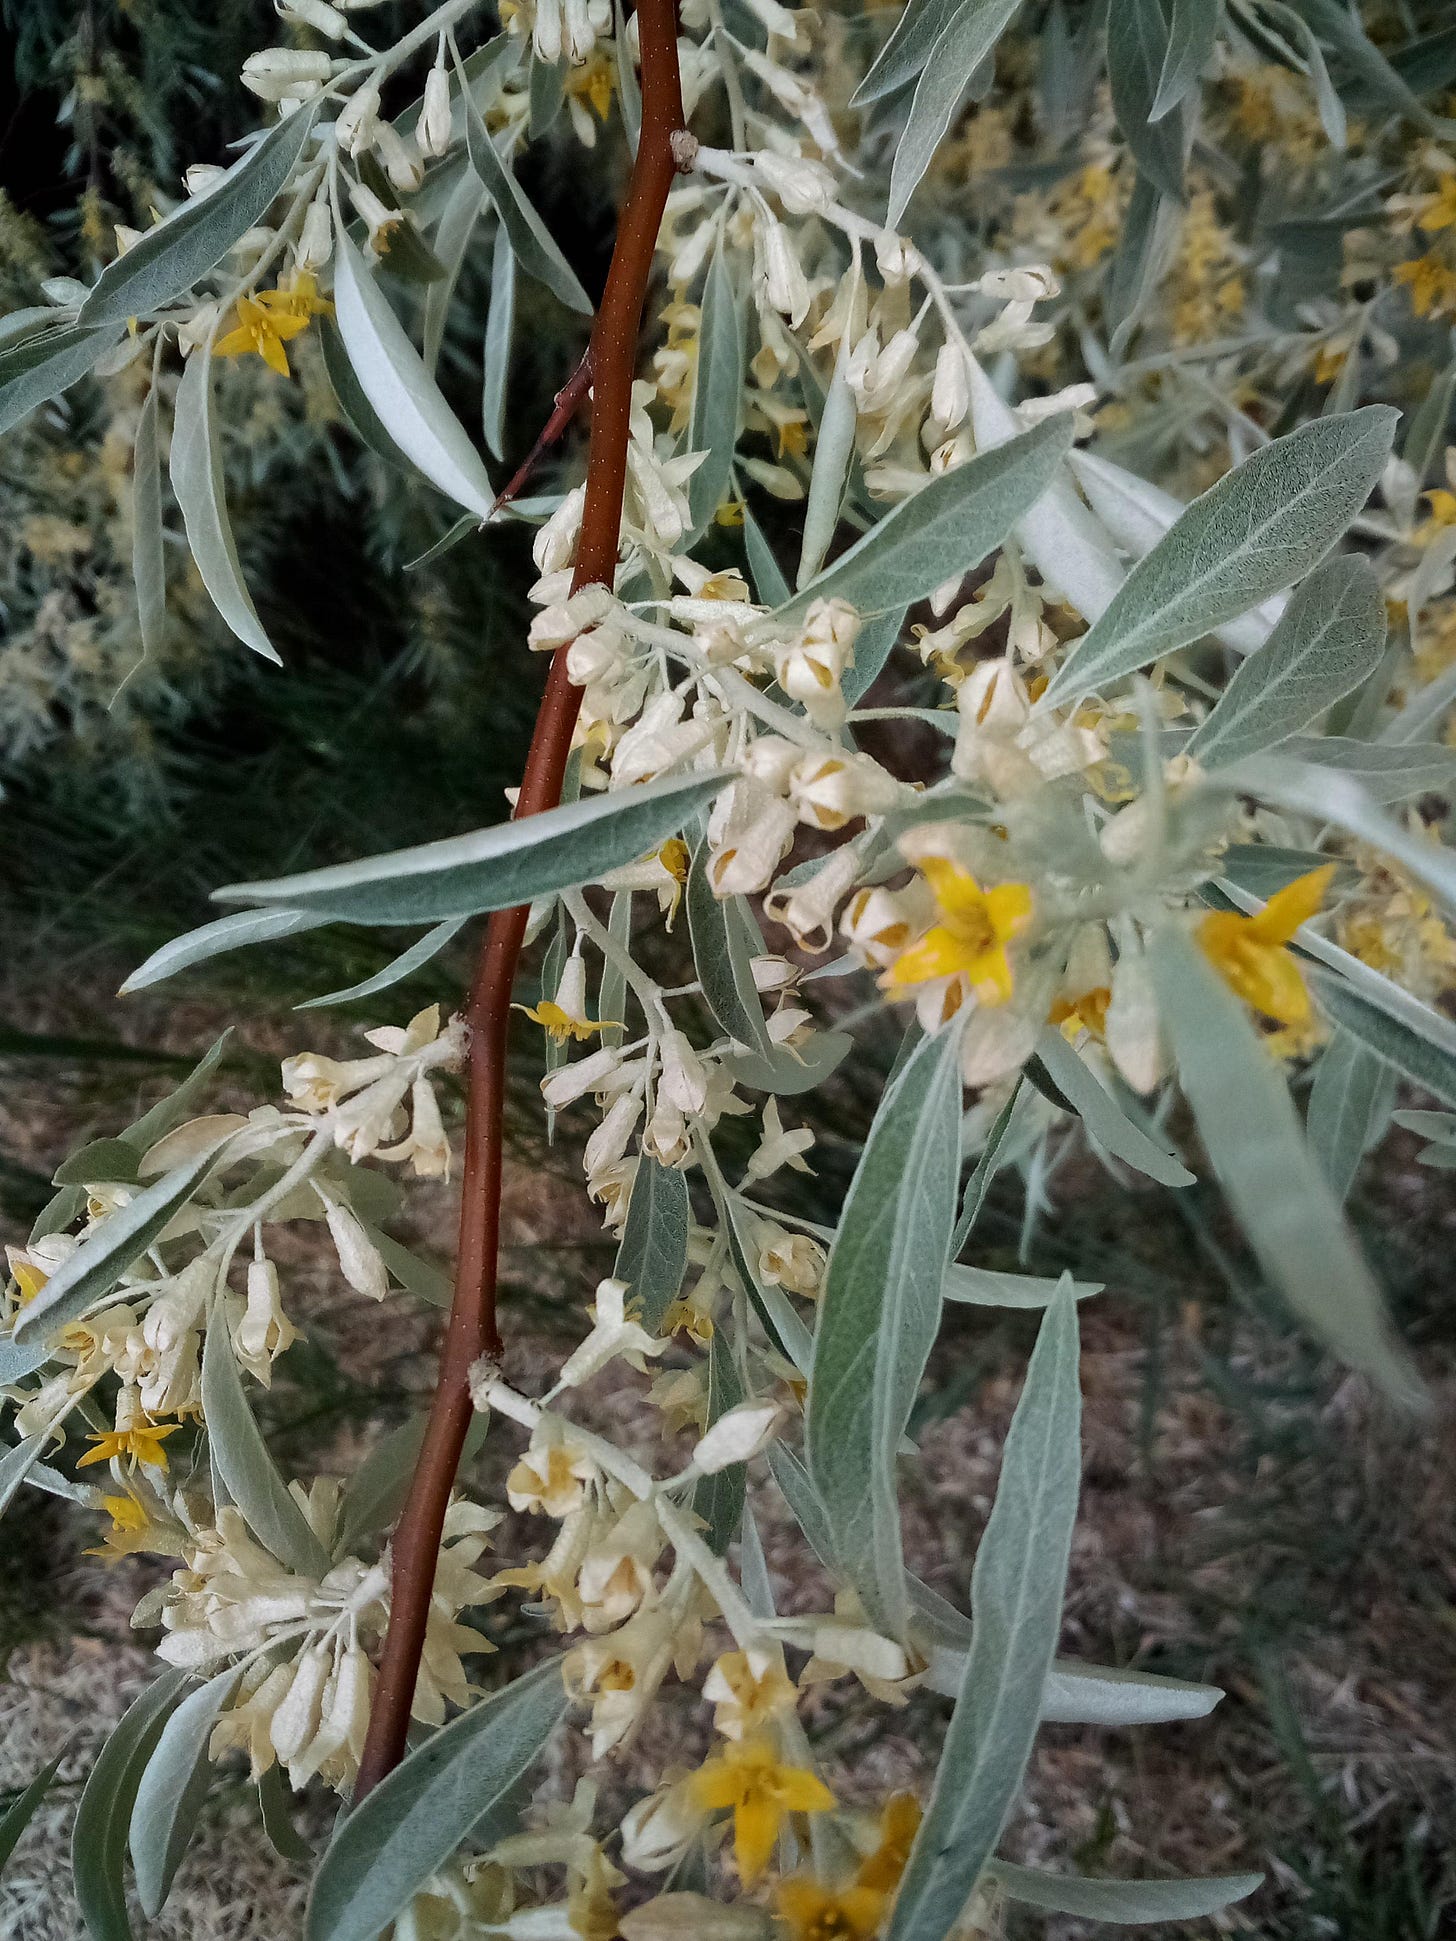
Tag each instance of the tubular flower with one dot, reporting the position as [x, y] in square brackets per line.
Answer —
[269, 320]
[1249, 952]
[763, 1793]
[971, 938]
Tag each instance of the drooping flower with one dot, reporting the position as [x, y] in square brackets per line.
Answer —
[1249, 953]
[749, 1777]
[135, 1439]
[971, 938]
[813, 1912]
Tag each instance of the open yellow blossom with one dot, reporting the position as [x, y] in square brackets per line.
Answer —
[748, 1689]
[28, 1278]
[813, 1912]
[1431, 284]
[1249, 952]
[748, 1777]
[559, 1025]
[971, 938]
[270, 319]
[1439, 210]
[594, 81]
[140, 1442]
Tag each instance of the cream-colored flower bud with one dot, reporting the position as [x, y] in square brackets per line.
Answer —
[831, 790]
[376, 216]
[950, 394]
[316, 238]
[682, 1078]
[402, 163]
[804, 188]
[789, 1260]
[785, 286]
[275, 72]
[264, 1331]
[296, 1718]
[752, 832]
[201, 179]
[358, 120]
[1134, 1040]
[318, 14]
[807, 910]
[433, 129]
[738, 1434]
[555, 543]
[896, 259]
[359, 1259]
[810, 669]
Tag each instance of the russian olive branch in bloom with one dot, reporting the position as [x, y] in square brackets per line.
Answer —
[1172, 851]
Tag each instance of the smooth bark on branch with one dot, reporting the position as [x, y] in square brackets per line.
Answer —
[472, 1331]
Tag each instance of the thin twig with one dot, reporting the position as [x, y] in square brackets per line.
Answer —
[472, 1330]
[568, 402]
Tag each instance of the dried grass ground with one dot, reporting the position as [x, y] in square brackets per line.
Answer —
[1248, 1517]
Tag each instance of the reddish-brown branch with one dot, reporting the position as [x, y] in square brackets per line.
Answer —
[472, 1330]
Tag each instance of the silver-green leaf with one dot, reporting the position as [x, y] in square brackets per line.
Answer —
[169, 258]
[218, 937]
[241, 1458]
[878, 1316]
[1274, 1184]
[1133, 1903]
[121, 1238]
[944, 529]
[1017, 1587]
[197, 485]
[1329, 639]
[496, 868]
[174, 1784]
[1259, 529]
[453, 1785]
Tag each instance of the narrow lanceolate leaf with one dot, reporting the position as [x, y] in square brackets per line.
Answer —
[495, 868]
[1139, 46]
[170, 1111]
[148, 565]
[1274, 1184]
[653, 1256]
[452, 240]
[965, 41]
[1394, 1025]
[944, 529]
[1192, 31]
[16, 1464]
[535, 248]
[173, 1786]
[168, 259]
[1016, 1612]
[453, 1786]
[717, 392]
[1330, 639]
[986, 1287]
[1386, 771]
[218, 937]
[1078, 1694]
[1258, 530]
[718, 1499]
[878, 1316]
[1103, 1117]
[500, 324]
[1130, 1902]
[833, 450]
[402, 394]
[919, 28]
[420, 952]
[1350, 1104]
[19, 1814]
[241, 1458]
[40, 367]
[722, 959]
[98, 1836]
[197, 485]
[121, 1238]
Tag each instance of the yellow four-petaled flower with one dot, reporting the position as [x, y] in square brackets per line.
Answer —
[1249, 952]
[269, 319]
[749, 1777]
[971, 938]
